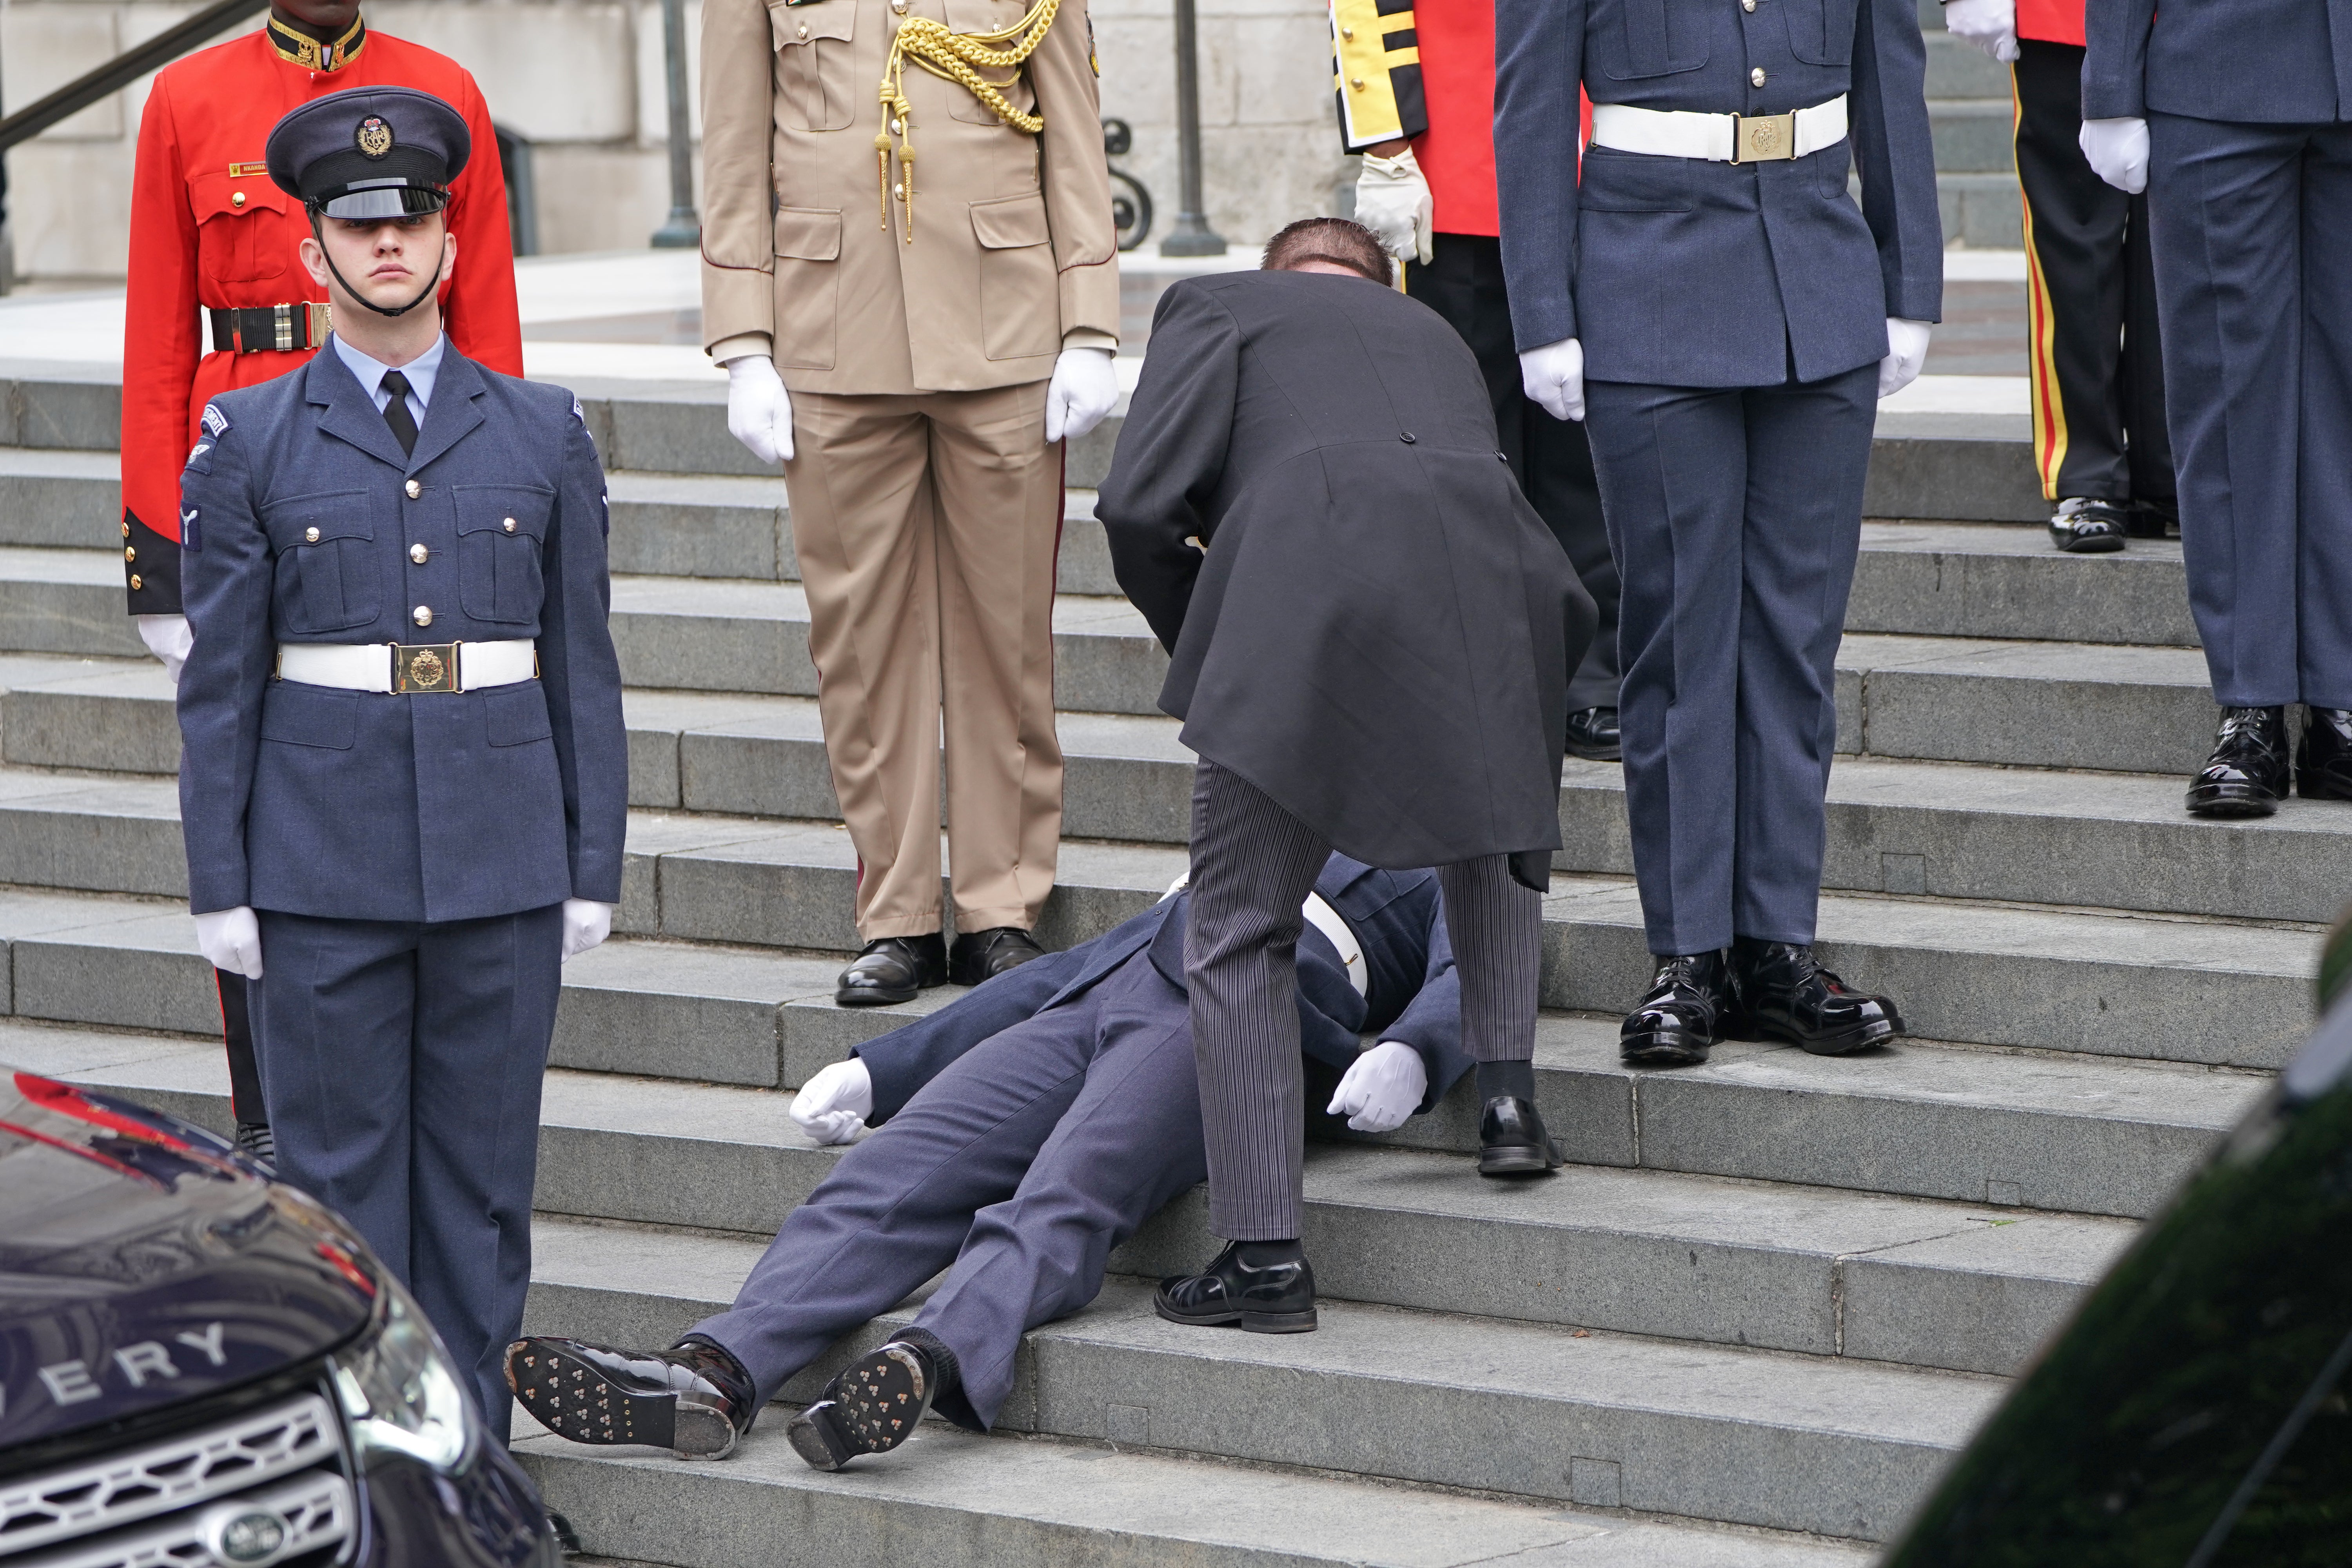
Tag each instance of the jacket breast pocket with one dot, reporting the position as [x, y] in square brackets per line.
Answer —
[1020, 298]
[241, 230]
[808, 267]
[989, 17]
[293, 714]
[1821, 32]
[501, 530]
[1655, 37]
[1619, 182]
[815, 90]
[517, 715]
[328, 575]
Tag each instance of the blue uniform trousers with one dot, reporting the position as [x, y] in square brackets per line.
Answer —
[403, 1078]
[2253, 231]
[1734, 515]
[1022, 1164]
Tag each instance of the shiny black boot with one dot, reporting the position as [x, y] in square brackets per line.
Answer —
[2323, 765]
[1681, 1016]
[2247, 773]
[2083, 526]
[693, 1399]
[1783, 993]
[1513, 1141]
[893, 969]
[1592, 734]
[1271, 1296]
[983, 955]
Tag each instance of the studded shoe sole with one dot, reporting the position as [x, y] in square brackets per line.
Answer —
[871, 1408]
[578, 1402]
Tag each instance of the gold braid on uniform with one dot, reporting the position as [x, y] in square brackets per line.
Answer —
[950, 57]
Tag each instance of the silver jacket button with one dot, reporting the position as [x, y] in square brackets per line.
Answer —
[309, 536]
[1756, 77]
[417, 553]
[421, 614]
[414, 489]
[508, 525]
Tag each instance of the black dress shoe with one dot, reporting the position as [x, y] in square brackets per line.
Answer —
[2082, 526]
[872, 1405]
[2154, 520]
[894, 968]
[567, 1540]
[693, 1399]
[1593, 735]
[1782, 993]
[979, 956]
[1512, 1141]
[257, 1143]
[2247, 773]
[1264, 1298]
[2323, 767]
[1681, 1016]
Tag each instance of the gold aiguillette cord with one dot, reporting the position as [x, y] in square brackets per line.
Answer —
[950, 57]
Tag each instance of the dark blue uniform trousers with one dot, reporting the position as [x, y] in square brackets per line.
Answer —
[1023, 1165]
[2253, 231]
[1735, 514]
[403, 1077]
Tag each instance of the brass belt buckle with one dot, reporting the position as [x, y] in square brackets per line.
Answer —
[322, 321]
[419, 668]
[1763, 138]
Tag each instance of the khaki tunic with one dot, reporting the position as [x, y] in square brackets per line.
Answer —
[1013, 250]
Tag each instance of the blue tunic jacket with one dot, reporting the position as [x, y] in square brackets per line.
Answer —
[365, 805]
[2256, 61]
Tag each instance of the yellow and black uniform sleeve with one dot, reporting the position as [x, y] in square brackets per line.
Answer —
[1375, 71]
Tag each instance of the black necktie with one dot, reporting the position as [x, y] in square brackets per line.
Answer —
[395, 410]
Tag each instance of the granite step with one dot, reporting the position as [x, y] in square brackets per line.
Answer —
[1973, 135]
[1974, 580]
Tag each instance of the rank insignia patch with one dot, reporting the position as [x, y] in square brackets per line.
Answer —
[214, 419]
[372, 137]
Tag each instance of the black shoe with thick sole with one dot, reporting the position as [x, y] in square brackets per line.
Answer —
[2154, 520]
[983, 955]
[893, 969]
[2247, 773]
[1782, 993]
[1681, 1018]
[693, 1399]
[870, 1409]
[2323, 765]
[2082, 526]
[1270, 1299]
[1592, 734]
[257, 1143]
[1513, 1141]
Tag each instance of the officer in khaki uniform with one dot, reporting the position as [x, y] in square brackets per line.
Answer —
[907, 223]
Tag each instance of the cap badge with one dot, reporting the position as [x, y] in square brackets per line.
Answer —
[372, 137]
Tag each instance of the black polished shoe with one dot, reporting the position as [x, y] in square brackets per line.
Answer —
[1268, 1298]
[1681, 1016]
[257, 1143]
[2154, 520]
[893, 969]
[2082, 526]
[2323, 765]
[1782, 993]
[1593, 735]
[872, 1405]
[1512, 1141]
[567, 1540]
[693, 1399]
[979, 956]
[2247, 773]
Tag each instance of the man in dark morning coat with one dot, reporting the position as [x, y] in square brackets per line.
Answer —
[2235, 117]
[1369, 631]
[1731, 317]
[1023, 1132]
[401, 842]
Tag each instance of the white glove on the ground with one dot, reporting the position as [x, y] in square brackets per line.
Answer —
[1990, 25]
[835, 1101]
[1392, 200]
[168, 639]
[1907, 351]
[759, 409]
[1382, 1087]
[586, 924]
[231, 940]
[1082, 389]
[2118, 151]
[1553, 377]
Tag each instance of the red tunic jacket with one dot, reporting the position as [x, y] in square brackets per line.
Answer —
[209, 230]
[2052, 21]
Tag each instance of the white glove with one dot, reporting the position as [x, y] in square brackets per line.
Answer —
[1553, 377]
[168, 639]
[1392, 200]
[1990, 25]
[759, 409]
[1080, 395]
[1907, 351]
[231, 940]
[586, 924]
[835, 1101]
[1382, 1087]
[2118, 151]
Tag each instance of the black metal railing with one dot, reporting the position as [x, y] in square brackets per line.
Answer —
[125, 69]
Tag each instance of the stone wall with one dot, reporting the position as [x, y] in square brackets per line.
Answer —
[583, 80]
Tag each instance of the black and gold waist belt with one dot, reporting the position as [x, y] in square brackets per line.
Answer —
[266, 328]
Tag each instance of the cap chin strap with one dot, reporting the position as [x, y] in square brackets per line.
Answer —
[362, 299]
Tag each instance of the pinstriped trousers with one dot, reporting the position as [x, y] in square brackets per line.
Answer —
[1253, 865]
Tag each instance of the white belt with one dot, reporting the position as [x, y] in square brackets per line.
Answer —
[1323, 918]
[1720, 138]
[409, 667]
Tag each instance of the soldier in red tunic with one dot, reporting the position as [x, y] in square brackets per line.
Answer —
[218, 297]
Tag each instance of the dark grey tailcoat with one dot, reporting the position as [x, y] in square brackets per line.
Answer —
[1377, 633]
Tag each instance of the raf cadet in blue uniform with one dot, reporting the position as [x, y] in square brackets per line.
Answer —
[1731, 317]
[400, 840]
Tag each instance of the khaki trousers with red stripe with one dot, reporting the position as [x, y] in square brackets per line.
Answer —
[927, 525]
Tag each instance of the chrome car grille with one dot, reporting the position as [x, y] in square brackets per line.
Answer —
[212, 1464]
[307, 1514]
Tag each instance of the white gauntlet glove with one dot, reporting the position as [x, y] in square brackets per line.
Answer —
[169, 638]
[2117, 152]
[835, 1101]
[1382, 1087]
[1990, 25]
[1907, 351]
[1392, 200]
[1081, 394]
[1553, 377]
[586, 924]
[231, 940]
[759, 409]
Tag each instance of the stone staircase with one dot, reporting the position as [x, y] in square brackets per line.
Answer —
[1971, 112]
[1748, 1326]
